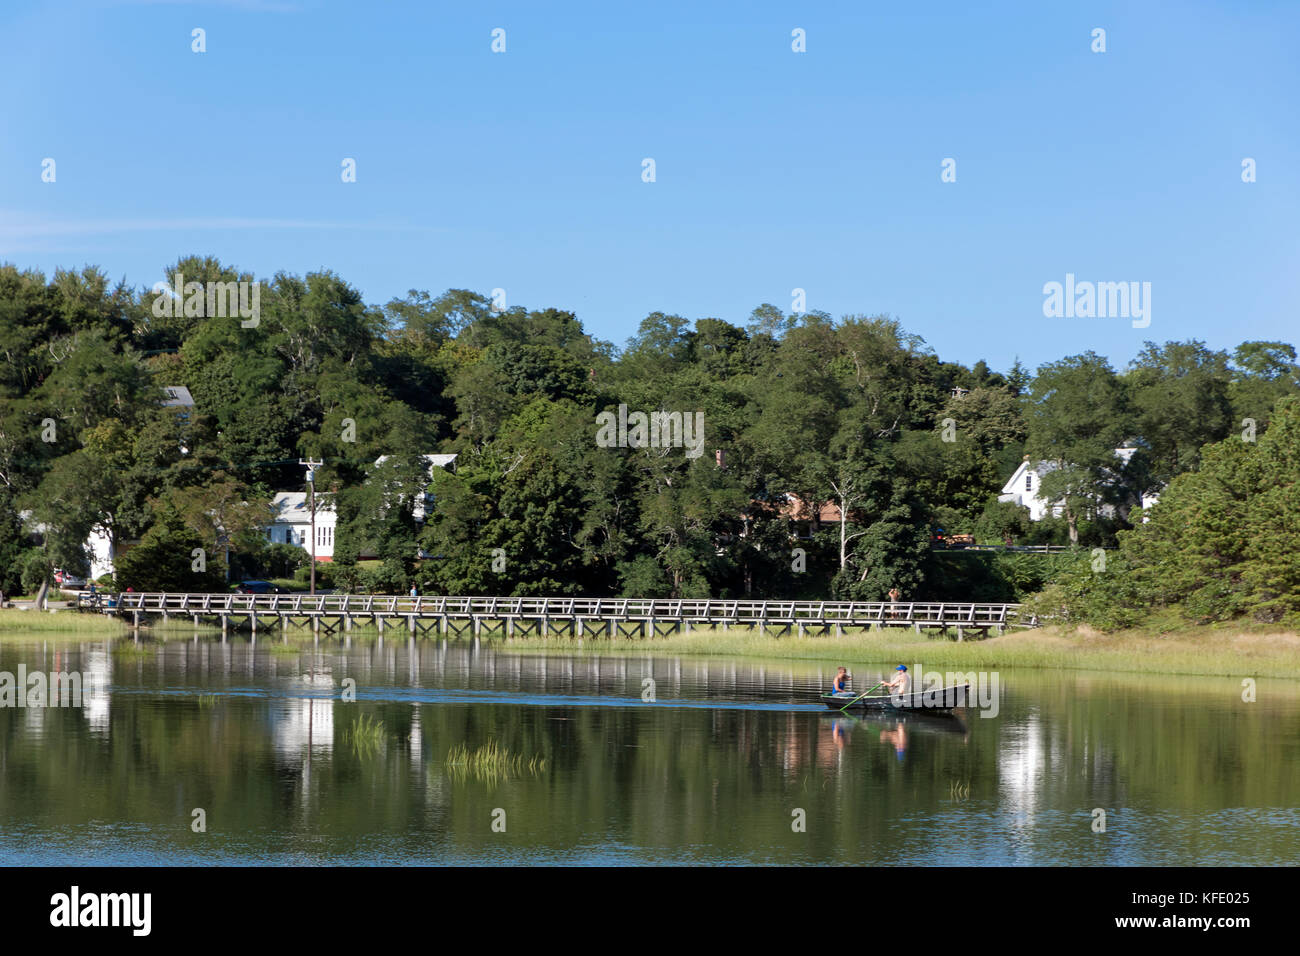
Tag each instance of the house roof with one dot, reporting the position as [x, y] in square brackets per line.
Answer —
[177, 396]
[1013, 484]
[433, 461]
[793, 508]
[291, 507]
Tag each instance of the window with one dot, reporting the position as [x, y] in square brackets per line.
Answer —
[1029, 482]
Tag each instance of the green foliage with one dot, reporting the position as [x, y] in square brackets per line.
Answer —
[164, 560]
[1220, 544]
[34, 570]
[830, 449]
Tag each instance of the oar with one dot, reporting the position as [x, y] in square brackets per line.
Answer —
[858, 698]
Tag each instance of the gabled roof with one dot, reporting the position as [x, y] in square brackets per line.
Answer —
[292, 507]
[1015, 483]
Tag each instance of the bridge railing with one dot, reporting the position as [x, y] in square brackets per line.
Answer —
[716, 610]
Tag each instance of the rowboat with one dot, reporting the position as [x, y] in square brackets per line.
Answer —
[945, 698]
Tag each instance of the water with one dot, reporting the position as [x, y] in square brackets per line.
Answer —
[722, 767]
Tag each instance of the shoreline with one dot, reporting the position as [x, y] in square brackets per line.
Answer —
[1202, 651]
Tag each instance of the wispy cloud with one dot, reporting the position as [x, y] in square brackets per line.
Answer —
[18, 232]
[253, 6]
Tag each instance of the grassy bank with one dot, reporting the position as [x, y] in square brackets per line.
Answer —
[18, 623]
[1204, 651]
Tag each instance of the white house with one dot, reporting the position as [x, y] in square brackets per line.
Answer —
[1024, 488]
[292, 513]
[291, 522]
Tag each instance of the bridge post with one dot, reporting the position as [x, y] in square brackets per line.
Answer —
[546, 627]
[960, 634]
[379, 620]
[801, 633]
[411, 620]
[510, 628]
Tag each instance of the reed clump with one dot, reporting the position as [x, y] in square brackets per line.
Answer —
[128, 650]
[365, 735]
[491, 762]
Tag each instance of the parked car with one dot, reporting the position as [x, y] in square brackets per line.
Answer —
[67, 579]
[259, 587]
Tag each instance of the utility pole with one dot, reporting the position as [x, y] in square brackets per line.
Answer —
[311, 466]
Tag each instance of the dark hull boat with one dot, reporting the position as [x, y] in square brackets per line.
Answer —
[928, 700]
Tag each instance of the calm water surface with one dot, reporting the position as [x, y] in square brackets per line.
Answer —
[717, 769]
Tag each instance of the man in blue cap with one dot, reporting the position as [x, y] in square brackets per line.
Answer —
[901, 682]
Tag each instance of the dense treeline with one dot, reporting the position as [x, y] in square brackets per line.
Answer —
[1220, 545]
[855, 413]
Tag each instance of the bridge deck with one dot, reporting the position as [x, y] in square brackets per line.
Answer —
[546, 611]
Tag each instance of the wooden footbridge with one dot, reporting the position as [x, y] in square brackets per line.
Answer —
[575, 617]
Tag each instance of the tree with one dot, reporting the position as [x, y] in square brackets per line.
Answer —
[166, 559]
[1077, 416]
[1179, 396]
[1262, 373]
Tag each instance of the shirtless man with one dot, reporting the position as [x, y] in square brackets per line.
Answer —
[901, 682]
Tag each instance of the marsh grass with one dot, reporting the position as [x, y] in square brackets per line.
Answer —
[284, 650]
[365, 736]
[491, 763]
[1202, 651]
[15, 622]
[959, 790]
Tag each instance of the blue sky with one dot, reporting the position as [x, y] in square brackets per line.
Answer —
[775, 170]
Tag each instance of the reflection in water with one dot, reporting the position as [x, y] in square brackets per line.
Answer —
[589, 771]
